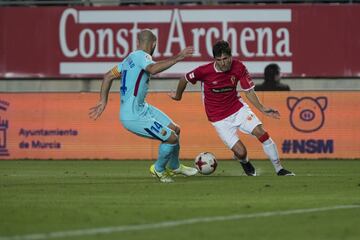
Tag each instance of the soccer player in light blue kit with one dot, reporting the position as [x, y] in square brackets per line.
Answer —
[139, 117]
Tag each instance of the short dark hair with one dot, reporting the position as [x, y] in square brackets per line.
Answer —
[221, 47]
[271, 71]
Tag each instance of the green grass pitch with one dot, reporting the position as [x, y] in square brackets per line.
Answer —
[120, 200]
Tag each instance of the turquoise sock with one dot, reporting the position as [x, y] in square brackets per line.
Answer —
[165, 153]
[174, 162]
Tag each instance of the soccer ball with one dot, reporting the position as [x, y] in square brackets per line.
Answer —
[206, 163]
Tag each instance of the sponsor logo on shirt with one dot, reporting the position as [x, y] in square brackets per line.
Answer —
[222, 90]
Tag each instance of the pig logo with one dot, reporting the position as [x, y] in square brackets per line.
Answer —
[307, 113]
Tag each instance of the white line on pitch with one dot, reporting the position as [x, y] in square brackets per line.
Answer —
[167, 224]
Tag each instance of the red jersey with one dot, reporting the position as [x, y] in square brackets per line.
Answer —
[220, 96]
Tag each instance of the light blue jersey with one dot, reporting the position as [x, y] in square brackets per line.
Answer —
[135, 114]
[134, 84]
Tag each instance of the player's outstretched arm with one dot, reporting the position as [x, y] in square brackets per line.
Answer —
[96, 111]
[179, 90]
[251, 95]
[160, 66]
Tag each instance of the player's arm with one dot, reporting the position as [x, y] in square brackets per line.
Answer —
[96, 111]
[179, 90]
[160, 66]
[253, 98]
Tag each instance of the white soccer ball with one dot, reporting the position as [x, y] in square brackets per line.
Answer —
[206, 163]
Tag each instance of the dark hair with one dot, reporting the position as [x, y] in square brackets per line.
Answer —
[271, 71]
[221, 47]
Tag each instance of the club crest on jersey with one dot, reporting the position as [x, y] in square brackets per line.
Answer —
[214, 82]
[233, 80]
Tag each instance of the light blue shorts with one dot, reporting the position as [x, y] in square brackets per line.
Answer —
[153, 124]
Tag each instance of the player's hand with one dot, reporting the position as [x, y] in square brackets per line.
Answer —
[186, 52]
[95, 112]
[272, 113]
[173, 96]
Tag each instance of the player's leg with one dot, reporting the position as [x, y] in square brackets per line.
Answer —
[174, 159]
[240, 154]
[270, 150]
[166, 120]
[173, 163]
[250, 124]
[268, 145]
[147, 126]
[227, 131]
[166, 150]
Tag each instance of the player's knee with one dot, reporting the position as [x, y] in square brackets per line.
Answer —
[177, 130]
[173, 139]
[258, 131]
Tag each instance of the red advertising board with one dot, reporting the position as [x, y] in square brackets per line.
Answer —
[60, 42]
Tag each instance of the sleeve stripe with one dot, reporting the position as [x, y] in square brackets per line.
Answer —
[248, 89]
[115, 72]
[186, 78]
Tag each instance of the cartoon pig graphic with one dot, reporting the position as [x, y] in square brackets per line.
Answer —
[307, 113]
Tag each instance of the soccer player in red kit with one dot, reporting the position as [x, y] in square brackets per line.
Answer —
[226, 111]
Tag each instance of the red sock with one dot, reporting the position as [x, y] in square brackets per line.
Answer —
[264, 137]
